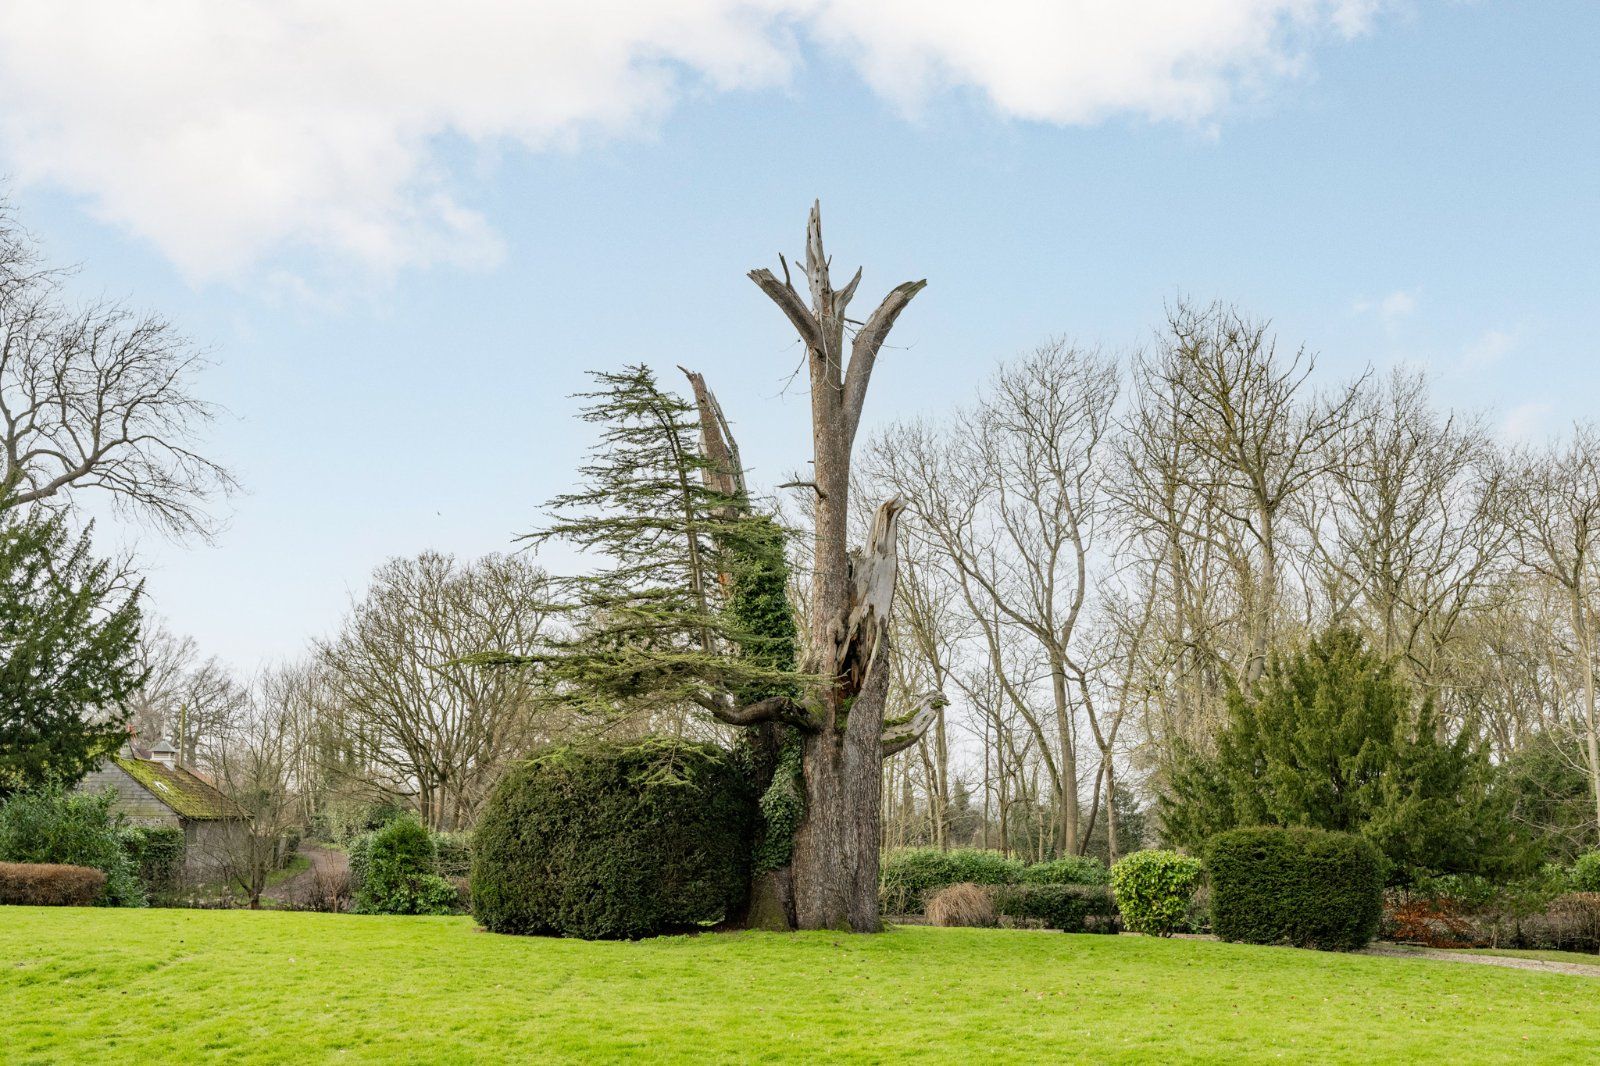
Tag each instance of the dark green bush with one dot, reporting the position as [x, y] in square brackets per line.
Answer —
[72, 829]
[614, 840]
[1153, 890]
[400, 873]
[1070, 908]
[156, 852]
[910, 875]
[1585, 876]
[1072, 870]
[38, 884]
[1309, 888]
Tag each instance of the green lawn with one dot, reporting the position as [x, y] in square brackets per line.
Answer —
[106, 986]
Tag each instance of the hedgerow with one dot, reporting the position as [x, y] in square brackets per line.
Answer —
[38, 884]
[1308, 888]
[909, 876]
[1071, 870]
[73, 829]
[1069, 907]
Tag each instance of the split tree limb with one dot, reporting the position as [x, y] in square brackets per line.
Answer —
[901, 733]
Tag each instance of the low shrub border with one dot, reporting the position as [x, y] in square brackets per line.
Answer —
[44, 884]
[1307, 888]
[1069, 908]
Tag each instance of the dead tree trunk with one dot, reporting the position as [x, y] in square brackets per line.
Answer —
[835, 865]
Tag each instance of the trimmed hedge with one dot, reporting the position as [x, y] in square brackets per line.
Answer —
[1072, 870]
[1070, 908]
[43, 884]
[1309, 888]
[400, 873]
[614, 840]
[72, 829]
[909, 876]
[1153, 890]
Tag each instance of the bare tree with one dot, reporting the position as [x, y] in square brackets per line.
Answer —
[835, 865]
[441, 730]
[98, 398]
[253, 764]
[186, 699]
[1555, 516]
[1011, 504]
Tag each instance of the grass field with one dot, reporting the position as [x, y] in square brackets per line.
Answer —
[106, 986]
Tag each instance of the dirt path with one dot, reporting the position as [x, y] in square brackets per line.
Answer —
[1510, 962]
[325, 860]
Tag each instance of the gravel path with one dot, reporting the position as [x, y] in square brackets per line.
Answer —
[322, 859]
[1510, 962]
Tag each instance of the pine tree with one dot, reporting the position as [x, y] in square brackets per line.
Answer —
[68, 659]
[1332, 738]
[689, 606]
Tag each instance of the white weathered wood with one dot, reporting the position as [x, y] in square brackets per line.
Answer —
[900, 733]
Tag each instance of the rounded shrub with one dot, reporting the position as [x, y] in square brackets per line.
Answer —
[400, 873]
[1585, 876]
[614, 840]
[908, 876]
[1309, 888]
[1069, 907]
[1153, 889]
[1071, 870]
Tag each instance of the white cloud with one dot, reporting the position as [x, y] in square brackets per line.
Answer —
[227, 131]
[1488, 349]
[1391, 308]
[1526, 421]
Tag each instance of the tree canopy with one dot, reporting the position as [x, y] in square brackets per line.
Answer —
[68, 653]
[1332, 738]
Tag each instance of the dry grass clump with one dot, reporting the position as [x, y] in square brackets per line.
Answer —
[965, 904]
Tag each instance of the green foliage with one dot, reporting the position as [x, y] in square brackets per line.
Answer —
[1153, 889]
[1551, 795]
[1069, 870]
[649, 629]
[1585, 876]
[1331, 738]
[782, 806]
[909, 875]
[1070, 907]
[39, 884]
[400, 873]
[1308, 888]
[156, 852]
[614, 840]
[68, 653]
[72, 829]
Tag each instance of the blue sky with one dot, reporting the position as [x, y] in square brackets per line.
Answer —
[1412, 183]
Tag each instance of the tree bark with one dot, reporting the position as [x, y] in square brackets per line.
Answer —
[835, 866]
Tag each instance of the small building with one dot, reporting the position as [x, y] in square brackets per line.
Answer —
[157, 791]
